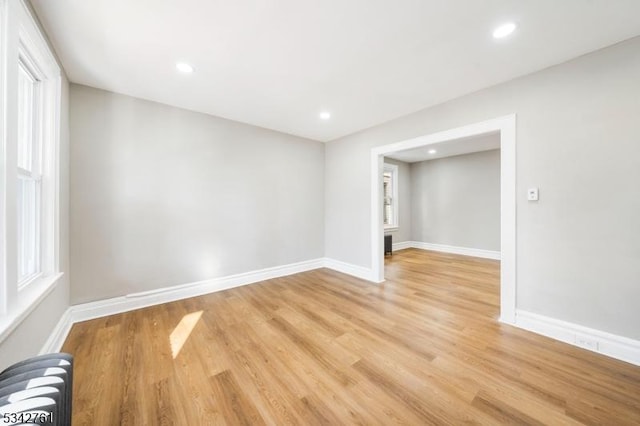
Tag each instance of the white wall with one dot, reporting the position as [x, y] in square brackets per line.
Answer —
[403, 232]
[455, 201]
[162, 196]
[577, 139]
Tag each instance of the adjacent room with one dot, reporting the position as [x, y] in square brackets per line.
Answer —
[293, 212]
[445, 196]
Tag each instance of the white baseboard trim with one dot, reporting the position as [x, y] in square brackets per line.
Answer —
[612, 345]
[58, 334]
[465, 251]
[116, 305]
[130, 302]
[401, 246]
[349, 269]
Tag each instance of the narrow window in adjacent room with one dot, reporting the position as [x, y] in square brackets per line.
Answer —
[390, 196]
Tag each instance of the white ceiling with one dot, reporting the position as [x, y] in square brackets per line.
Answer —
[278, 63]
[450, 148]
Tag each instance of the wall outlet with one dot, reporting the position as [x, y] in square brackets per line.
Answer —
[586, 342]
[532, 194]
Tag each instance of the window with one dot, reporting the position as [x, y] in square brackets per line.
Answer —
[29, 188]
[390, 196]
[29, 115]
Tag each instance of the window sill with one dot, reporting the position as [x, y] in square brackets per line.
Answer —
[28, 300]
[391, 228]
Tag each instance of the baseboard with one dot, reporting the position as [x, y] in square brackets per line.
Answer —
[401, 246]
[130, 302]
[612, 345]
[349, 269]
[465, 251]
[116, 305]
[59, 334]
[145, 299]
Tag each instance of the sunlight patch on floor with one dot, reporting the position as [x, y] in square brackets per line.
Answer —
[183, 330]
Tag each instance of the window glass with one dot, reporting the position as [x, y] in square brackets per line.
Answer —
[387, 184]
[26, 119]
[28, 228]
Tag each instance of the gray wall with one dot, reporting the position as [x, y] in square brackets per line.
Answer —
[578, 141]
[456, 201]
[28, 338]
[403, 232]
[162, 196]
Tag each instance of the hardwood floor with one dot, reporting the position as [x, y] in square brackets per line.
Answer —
[324, 348]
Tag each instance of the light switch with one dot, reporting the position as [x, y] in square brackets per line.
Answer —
[532, 194]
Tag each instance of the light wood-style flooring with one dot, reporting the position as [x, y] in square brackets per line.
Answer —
[323, 348]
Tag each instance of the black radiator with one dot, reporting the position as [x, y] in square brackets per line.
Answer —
[388, 245]
[37, 391]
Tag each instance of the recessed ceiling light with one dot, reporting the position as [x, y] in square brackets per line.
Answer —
[325, 115]
[184, 67]
[432, 151]
[504, 30]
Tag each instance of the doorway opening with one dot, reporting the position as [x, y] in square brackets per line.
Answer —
[506, 128]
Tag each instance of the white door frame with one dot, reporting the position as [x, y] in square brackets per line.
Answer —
[507, 127]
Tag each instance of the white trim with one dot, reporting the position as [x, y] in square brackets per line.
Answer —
[377, 231]
[507, 127]
[508, 229]
[608, 344]
[59, 333]
[22, 38]
[27, 303]
[5, 294]
[403, 245]
[464, 251]
[350, 269]
[130, 302]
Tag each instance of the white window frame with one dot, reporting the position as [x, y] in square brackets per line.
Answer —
[395, 223]
[22, 40]
[34, 170]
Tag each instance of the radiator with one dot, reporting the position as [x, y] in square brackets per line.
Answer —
[37, 391]
[388, 244]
